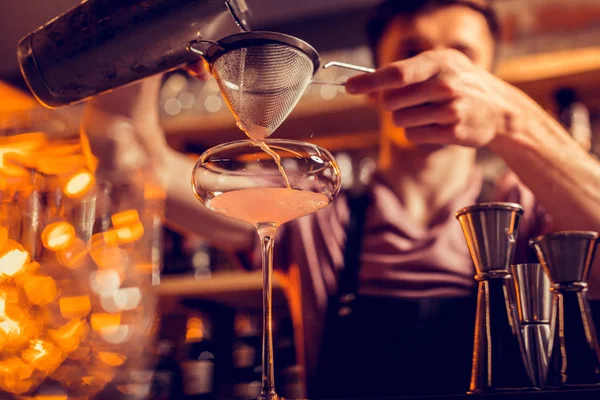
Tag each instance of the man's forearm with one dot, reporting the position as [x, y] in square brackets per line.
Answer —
[185, 211]
[561, 174]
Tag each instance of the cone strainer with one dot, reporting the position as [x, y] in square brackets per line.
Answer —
[262, 76]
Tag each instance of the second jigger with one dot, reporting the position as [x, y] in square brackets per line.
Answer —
[499, 361]
[575, 355]
[534, 302]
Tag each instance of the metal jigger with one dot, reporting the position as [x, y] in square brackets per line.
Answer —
[574, 355]
[499, 363]
[534, 302]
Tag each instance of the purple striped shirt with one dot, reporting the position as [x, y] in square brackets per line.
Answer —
[398, 258]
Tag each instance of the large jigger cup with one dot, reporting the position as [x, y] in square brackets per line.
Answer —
[574, 355]
[490, 230]
[534, 303]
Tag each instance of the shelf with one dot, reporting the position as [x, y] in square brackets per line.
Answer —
[233, 289]
[539, 75]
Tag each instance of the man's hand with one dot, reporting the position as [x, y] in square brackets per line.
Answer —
[440, 97]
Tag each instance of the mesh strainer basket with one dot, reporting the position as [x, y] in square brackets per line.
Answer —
[262, 76]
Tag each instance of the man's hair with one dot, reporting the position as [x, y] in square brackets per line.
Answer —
[381, 16]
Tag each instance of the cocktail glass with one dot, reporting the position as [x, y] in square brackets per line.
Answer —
[241, 181]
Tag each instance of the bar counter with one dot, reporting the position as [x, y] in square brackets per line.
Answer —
[566, 394]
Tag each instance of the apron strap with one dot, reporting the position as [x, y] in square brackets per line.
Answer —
[349, 276]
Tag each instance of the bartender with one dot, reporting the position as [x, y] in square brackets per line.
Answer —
[411, 325]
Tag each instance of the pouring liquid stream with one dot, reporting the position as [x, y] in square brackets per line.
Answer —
[258, 137]
[265, 147]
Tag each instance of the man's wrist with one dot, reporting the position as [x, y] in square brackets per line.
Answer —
[514, 129]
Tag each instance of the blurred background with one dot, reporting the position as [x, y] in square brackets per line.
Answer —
[211, 305]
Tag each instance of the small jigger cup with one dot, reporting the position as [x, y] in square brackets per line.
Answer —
[499, 361]
[574, 353]
[534, 303]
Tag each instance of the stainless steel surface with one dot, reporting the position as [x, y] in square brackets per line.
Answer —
[245, 40]
[262, 76]
[341, 65]
[499, 357]
[534, 302]
[566, 256]
[104, 44]
[348, 66]
[491, 230]
[575, 355]
[534, 298]
[536, 338]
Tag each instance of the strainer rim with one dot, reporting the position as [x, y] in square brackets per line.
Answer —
[256, 38]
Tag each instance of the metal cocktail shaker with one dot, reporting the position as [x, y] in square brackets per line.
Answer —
[104, 44]
[575, 353]
[499, 361]
[534, 302]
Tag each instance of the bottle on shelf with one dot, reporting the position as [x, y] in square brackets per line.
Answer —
[290, 372]
[167, 378]
[176, 260]
[246, 356]
[198, 365]
[575, 116]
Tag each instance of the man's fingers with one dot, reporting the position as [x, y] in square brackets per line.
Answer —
[427, 114]
[396, 75]
[430, 91]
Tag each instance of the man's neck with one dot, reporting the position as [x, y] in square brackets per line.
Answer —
[426, 179]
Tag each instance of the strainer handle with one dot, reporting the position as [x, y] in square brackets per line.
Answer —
[190, 46]
[341, 65]
[348, 66]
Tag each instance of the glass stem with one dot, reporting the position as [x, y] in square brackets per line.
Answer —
[266, 233]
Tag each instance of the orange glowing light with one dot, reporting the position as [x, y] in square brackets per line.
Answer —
[124, 235]
[16, 325]
[194, 330]
[69, 336]
[73, 256]
[25, 141]
[130, 234]
[153, 191]
[60, 165]
[60, 148]
[3, 236]
[8, 294]
[91, 161]
[75, 307]
[27, 271]
[105, 255]
[112, 359]
[81, 353]
[16, 150]
[43, 355]
[105, 323]
[144, 268]
[19, 159]
[125, 218]
[12, 258]
[79, 184]
[40, 290]
[16, 375]
[58, 236]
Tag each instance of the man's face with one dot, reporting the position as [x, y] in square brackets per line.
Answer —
[456, 27]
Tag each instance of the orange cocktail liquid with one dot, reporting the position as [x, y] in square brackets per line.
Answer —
[267, 205]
